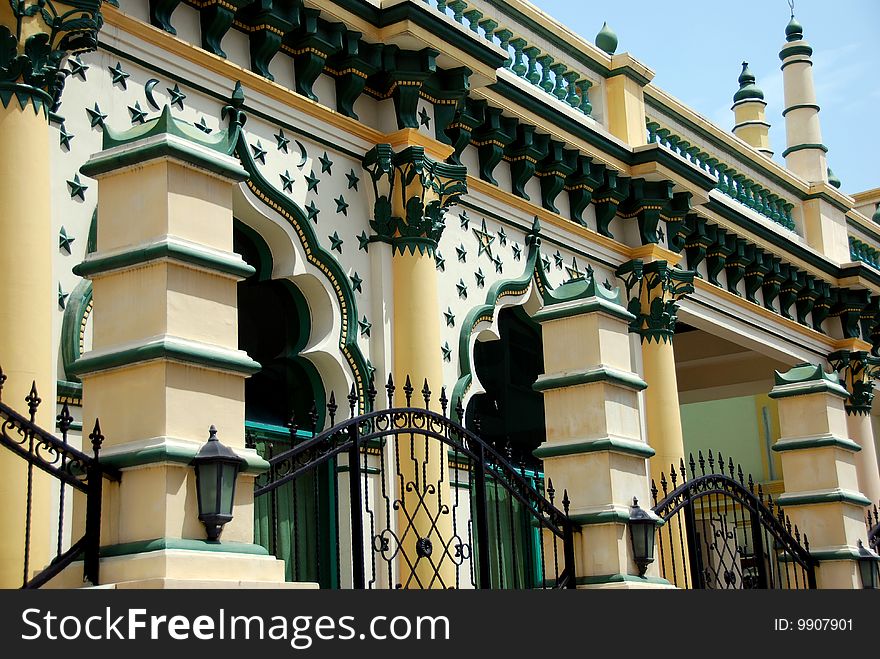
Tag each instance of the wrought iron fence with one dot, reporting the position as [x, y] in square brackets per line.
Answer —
[872, 522]
[406, 497]
[723, 532]
[72, 469]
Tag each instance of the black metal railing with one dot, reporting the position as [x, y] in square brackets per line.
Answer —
[872, 522]
[72, 469]
[406, 497]
[723, 532]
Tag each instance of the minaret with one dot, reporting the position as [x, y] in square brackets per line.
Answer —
[805, 153]
[748, 109]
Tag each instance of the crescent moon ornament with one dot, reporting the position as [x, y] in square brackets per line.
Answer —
[303, 156]
[148, 92]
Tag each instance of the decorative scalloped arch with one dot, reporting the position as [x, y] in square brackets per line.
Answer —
[318, 257]
[521, 289]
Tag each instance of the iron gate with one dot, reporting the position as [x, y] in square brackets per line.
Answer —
[73, 469]
[722, 532]
[406, 497]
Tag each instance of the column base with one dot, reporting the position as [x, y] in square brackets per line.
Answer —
[623, 582]
[182, 568]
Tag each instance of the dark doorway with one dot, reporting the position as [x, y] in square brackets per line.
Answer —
[511, 411]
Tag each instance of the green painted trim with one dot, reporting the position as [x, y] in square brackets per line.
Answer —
[804, 147]
[798, 106]
[590, 305]
[171, 349]
[610, 444]
[605, 517]
[228, 264]
[816, 442]
[807, 388]
[629, 72]
[178, 149]
[834, 496]
[824, 196]
[78, 304]
[619, 578]
[752, 123]
[175, 453]
[69, 389]
[186, 544]
[608, 517]
[589, 376]
[796, 49]
[836, 554]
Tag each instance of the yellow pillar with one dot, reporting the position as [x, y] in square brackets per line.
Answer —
[406, 208]
[818, 463]
[857, 370]
[26, 304]
[654, 288]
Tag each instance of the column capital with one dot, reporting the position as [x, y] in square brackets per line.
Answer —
[412, 193]
[653, 290]
[857, 369]
[35, 35]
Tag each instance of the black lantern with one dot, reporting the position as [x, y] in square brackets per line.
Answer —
[868, 567]
[641, 533]
[217, 468]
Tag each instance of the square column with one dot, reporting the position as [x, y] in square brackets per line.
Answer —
[594, 447]
[165, 363]
[819, 466]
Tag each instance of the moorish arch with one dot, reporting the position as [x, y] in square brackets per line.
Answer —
[297, 257]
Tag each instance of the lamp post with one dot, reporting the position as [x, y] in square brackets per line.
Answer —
[217, 468]
[868, 567]
[642, 535]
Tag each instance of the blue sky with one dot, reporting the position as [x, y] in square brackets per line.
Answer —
[696, 48]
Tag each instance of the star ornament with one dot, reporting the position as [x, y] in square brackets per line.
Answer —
[76, 188]
[282, 140]
[352, 180]
[485, 240]
[119, 76]
[64, 240]
[287, 181]
[177, 96]
[326, 163]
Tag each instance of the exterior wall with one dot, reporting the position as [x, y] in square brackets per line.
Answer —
[309, 197]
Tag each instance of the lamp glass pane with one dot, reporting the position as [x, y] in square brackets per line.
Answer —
[208, 488]
[228, 488]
